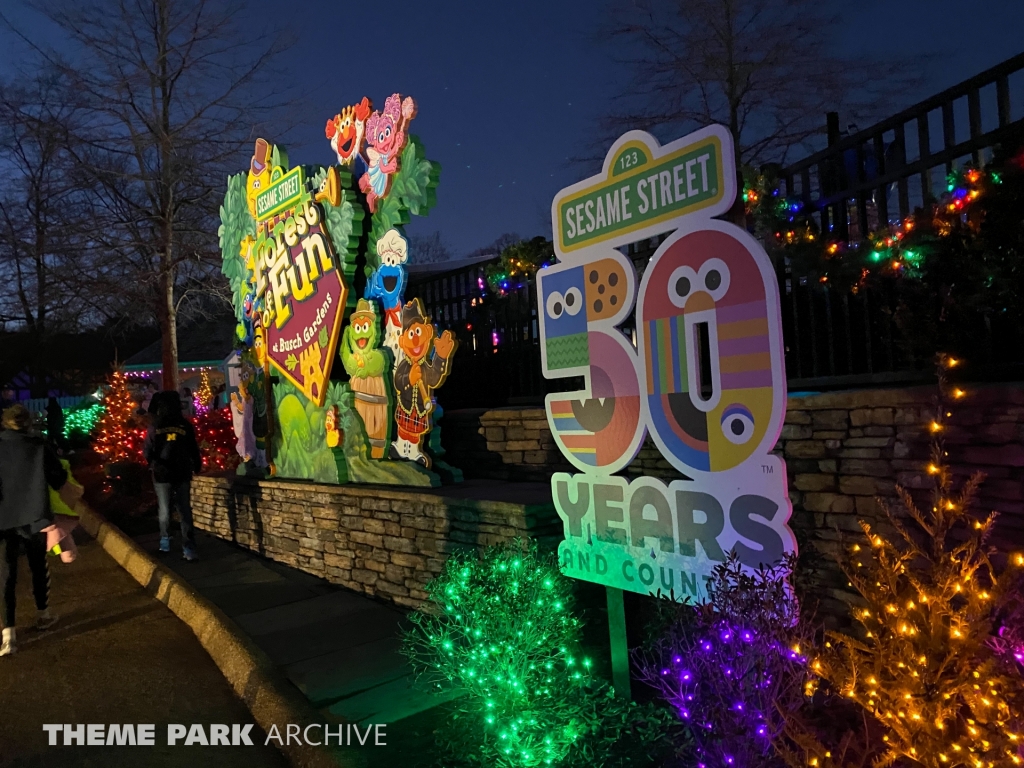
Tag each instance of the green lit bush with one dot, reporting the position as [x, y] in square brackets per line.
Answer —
[499, 630]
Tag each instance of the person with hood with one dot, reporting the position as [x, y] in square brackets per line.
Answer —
[173, 455]
[28, 466]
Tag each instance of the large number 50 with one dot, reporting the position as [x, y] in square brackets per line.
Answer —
[706, 378]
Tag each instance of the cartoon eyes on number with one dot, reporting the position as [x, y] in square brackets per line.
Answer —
[714, 278]
[555, 305]
[681, 283]
[571, 303]
[737, 424]
[256, 184]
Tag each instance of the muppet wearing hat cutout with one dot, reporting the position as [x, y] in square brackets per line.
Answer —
[423, 367]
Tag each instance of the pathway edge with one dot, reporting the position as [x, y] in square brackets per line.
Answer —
[267, 693]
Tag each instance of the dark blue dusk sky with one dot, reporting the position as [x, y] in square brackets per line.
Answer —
[507, 92]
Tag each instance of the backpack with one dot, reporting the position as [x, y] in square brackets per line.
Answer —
[172, 462]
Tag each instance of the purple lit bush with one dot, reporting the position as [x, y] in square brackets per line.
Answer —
[1008, 643]
[733, 667]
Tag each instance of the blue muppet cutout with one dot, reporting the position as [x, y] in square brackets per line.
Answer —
[387, 285]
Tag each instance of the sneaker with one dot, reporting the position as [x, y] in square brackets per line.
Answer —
[165, 543]
[45, 620]
[7, 646]
[190, 554]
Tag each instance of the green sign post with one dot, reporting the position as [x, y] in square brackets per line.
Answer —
[282, 195]
[644, 185]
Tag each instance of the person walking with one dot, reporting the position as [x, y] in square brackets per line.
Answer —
[27, 466]
[55, 424]
[173, 455]
[188, 404]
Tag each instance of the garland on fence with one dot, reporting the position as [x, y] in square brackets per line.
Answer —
[899, 249]
[518, 264]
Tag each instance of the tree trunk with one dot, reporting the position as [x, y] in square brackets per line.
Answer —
[168, 271]
[168, 331]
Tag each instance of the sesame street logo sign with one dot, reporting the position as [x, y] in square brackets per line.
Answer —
[645, 186]
[705, 379]
[283, 194]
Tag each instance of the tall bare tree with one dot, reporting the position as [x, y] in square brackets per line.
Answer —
[42, 208]
[766, 69]
[428, 249]
[171, 88]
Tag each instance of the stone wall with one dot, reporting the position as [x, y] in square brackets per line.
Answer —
[846, 451]
[843, 451]
[386, 543]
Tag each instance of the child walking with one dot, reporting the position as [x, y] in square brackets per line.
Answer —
[173, 455]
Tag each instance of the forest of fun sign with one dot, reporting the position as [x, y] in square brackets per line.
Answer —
[705, 378]
[295, 274]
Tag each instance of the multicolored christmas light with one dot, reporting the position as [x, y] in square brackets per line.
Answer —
[519, 263]
[118, 436]
[898, 249]
[203, 396]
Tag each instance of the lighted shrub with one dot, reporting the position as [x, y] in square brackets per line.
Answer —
[730, 667]
[499, 629]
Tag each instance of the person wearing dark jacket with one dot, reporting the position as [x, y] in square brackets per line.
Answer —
[27, 467]
[173, 455]
[55, 423]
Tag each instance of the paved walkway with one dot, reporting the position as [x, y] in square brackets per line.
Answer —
[116, 656]
[341, 649]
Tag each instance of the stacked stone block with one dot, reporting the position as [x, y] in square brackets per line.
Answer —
[843, 451]
[386, 543]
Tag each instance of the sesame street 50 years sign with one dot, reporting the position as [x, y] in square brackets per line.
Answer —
[706, 378]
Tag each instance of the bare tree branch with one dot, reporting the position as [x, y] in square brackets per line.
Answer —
[766, 69]
[170, 93]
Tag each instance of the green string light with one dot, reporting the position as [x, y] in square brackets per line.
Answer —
[79, 421]
[500, 629]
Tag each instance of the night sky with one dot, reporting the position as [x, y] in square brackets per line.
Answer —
[508, 92]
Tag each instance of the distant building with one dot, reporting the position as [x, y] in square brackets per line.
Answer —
[202, 346]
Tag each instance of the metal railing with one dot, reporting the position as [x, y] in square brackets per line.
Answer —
[850, 183]
[834, 338]
[865, 182]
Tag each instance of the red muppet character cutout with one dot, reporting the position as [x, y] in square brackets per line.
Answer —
[424, 365]
[347, 129]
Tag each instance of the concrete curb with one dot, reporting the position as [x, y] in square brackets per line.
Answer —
[270, 697]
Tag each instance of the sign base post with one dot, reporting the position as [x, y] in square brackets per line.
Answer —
[617, 639]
